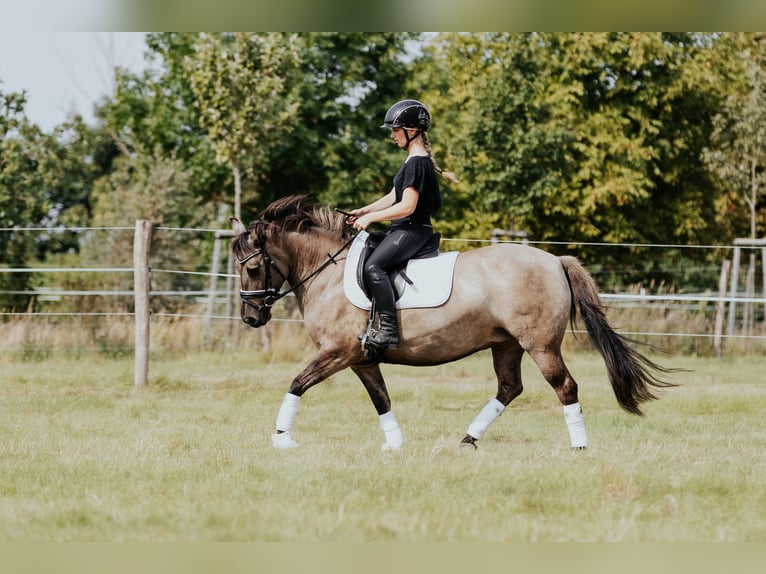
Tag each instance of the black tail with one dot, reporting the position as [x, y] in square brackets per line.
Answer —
[631, 374]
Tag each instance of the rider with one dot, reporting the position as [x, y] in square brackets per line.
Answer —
[415, 196]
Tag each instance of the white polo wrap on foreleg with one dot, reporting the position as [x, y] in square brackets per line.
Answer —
[390, 426]
[486, 417]
[575, 425]
[287, 412]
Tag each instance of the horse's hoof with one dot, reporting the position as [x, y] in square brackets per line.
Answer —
[468, 441]
[579, 448]
[283, 441]
[387, 447]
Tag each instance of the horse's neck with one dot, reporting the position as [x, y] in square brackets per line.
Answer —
[307, 253]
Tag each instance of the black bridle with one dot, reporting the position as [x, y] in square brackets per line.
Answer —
[269, 294]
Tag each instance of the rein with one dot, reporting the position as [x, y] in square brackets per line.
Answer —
[268, 293]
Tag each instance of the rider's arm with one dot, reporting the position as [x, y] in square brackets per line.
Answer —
[396, 211]
[382, 203]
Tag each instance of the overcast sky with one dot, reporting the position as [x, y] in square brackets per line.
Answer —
[65, 72]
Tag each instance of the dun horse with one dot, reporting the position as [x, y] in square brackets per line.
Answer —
[508, 298]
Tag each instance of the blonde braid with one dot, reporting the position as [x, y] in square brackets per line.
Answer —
[447, 175]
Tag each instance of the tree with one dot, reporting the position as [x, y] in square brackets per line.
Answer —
[45, 181]
[737, 152]
[583, 137]
[350, 80]
[153, 113]
[244, 87]
[334, 147]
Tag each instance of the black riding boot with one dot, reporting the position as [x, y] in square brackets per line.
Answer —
[387, 337]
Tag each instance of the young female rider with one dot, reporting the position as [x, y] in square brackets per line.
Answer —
[409, 205]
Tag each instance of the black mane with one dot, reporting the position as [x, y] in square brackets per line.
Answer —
[302, 213]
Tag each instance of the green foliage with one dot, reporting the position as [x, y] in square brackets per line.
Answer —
[153, 113]
[334, 86]
[156, 188]
[244, 88]
[737, 152]
[350, 81]
[45, 181]
[584, 137]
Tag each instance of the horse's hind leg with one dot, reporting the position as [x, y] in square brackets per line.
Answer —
[373, 382]
[506, 358]
[552, 366]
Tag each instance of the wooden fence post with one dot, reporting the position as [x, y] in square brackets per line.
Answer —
[213, 290]
[220, 236]
[720, 308]
[733, 290]
[763, 272]
[141, 286]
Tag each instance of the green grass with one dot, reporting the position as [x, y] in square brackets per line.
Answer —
[86, 457]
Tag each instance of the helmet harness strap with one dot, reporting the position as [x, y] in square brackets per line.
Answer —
[408, 138]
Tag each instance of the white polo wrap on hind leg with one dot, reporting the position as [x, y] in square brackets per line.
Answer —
[486, 417]
[390, 426]
[287, 412]
[575, 425]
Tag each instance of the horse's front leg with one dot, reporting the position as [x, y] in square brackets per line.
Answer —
[326, 364]
[372, 379]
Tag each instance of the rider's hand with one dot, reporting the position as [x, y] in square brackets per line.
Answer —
[362, 222]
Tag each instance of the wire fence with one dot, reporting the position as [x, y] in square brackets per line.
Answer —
[192, 279]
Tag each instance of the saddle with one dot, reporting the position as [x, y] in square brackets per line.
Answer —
[428, 284]
[397, 277]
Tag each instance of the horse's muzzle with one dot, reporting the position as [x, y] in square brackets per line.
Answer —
[256, 317]
[259, 319]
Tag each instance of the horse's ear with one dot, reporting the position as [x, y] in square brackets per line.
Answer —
[237, 226]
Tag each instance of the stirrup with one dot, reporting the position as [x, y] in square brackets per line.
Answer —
[368, 331]
[371, 350]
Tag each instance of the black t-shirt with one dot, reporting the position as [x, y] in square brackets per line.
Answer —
[418, 172]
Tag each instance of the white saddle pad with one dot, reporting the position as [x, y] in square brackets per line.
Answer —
[431, 279]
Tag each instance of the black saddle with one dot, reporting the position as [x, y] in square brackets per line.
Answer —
[430, 249]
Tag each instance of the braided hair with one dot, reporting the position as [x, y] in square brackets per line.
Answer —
[447, 175]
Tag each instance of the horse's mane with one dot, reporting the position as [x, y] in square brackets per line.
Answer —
[302, 213]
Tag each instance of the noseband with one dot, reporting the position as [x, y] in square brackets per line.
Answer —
[268, 294]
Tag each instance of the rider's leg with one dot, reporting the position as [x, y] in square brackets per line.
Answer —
[387, 337]
[399, 244]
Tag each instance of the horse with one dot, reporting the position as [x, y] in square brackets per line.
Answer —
[509, 298]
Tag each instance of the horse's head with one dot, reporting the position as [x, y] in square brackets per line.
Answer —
[260, 276]
[290, 238]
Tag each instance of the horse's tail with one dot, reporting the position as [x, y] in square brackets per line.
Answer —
[631, 374]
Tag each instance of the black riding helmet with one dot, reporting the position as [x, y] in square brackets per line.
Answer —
[410, 114]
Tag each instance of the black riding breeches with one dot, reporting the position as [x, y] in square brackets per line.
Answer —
[398, 246]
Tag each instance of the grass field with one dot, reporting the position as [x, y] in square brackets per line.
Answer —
[86, 457]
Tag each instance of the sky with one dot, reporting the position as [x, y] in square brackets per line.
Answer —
[65, 72]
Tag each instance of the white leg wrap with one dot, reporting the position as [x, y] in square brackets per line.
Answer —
[576, 425]
[287, 412]
[283, 440]
[285, 419]
[394, 436]
[486, 417]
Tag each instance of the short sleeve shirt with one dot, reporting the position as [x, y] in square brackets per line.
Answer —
[418, 172]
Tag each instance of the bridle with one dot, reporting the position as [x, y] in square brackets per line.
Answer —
[269, 295]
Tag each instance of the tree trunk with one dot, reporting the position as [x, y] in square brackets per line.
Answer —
[237, 192]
